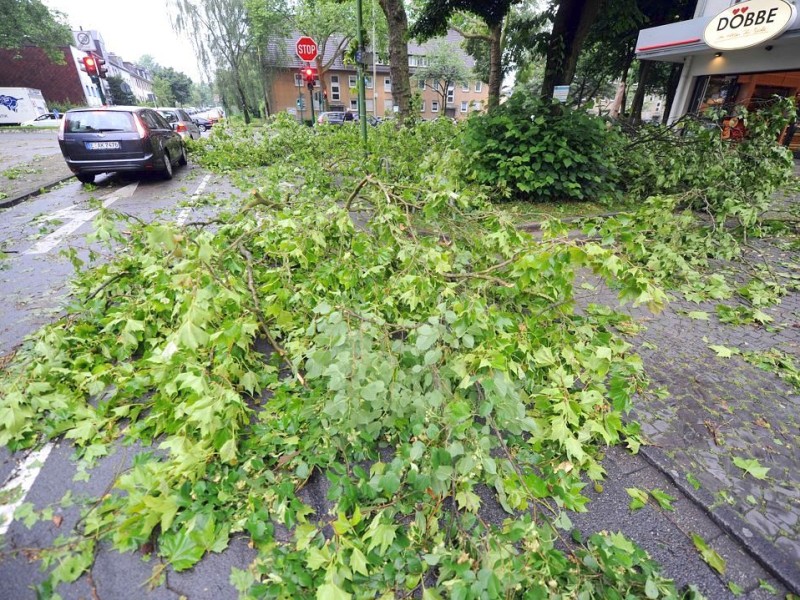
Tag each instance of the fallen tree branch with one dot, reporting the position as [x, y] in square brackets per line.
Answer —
[260, 315]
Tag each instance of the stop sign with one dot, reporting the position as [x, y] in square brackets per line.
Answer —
[306, 48]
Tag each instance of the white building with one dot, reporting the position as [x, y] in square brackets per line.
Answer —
[732, 52]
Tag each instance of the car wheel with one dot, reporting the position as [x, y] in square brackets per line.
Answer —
[85, 177]
[183, 161]
[167, 166]
[202, 128]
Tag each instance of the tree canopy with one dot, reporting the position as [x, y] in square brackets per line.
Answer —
[29, 22]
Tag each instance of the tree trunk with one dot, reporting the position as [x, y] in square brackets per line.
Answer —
[570, 28]
[495, 63]
[672, 88]
[645, 68]
[242, 98]
[398, 55]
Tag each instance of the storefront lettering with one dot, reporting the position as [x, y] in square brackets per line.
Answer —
[759, 18]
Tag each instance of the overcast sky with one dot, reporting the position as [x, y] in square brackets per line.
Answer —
[131, 28]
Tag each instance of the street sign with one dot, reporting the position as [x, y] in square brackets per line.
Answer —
[83, 40]
[306, 48]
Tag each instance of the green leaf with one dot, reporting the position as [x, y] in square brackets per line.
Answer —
[651, 589]
[724, 351]
[751, 466]
[735, 589]
[331, 591]
[358, 562]
[664, 500]
[639, 498]
[180, 549]
[693, 481]
[709, 555]
[699, 315]
[426, 337]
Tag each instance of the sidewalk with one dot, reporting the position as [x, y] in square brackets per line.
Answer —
[720, 408]
[21, 181]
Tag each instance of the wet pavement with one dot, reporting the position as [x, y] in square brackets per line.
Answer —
[720, 419]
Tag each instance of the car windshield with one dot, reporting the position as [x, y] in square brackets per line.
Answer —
[92, 121]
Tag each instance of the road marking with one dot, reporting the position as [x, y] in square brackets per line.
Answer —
[77, 217]
[21, 478]
[186, 210]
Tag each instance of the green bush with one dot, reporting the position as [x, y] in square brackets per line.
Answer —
[527, 149]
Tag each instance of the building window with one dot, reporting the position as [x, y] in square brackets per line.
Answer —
[352, 81]
[435, 106]
[354, 105]
[368, 81]
[465, 86]
[477, 106]
[421, 84]
[298, 81]
[370, 104]
[422, 107]
[463, 106]
[387, 84]
[451, 94]
[478, 86]
[335, 91]
[388, 106]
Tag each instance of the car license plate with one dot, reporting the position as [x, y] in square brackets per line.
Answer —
[102, 145]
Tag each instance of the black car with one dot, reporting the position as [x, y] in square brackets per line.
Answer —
[202, 123]
[119, 138]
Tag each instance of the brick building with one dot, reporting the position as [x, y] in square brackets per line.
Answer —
[61, 83]
[340, 83]
[66, 83]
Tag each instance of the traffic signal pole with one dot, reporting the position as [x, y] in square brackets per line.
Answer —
[311, 99]
[96, 81]
[362, 96]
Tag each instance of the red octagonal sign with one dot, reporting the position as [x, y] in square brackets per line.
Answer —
[306, 48]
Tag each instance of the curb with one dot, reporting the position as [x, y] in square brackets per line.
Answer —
[760, 549]
[9, 202]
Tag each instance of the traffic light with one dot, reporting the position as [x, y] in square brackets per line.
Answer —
[102, 69]
[308, 75]
[90, 66]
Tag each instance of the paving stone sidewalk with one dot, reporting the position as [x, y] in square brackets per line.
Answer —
[718, 409]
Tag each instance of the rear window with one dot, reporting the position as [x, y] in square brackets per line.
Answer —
[169, 116]
[88, 121]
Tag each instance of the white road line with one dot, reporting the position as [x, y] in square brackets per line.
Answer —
[187, 210]
[76, 218]
[21, 479]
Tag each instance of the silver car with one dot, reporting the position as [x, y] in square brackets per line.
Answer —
[181, 122]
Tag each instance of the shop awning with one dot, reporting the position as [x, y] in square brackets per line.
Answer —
[676, 41]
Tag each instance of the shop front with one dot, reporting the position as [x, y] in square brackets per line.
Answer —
[733, 54]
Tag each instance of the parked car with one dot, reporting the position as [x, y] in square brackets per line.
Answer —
[181, 122]
[45, 120]
[202, 123]
[119, 138]
[212, 114]
[335, 118]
